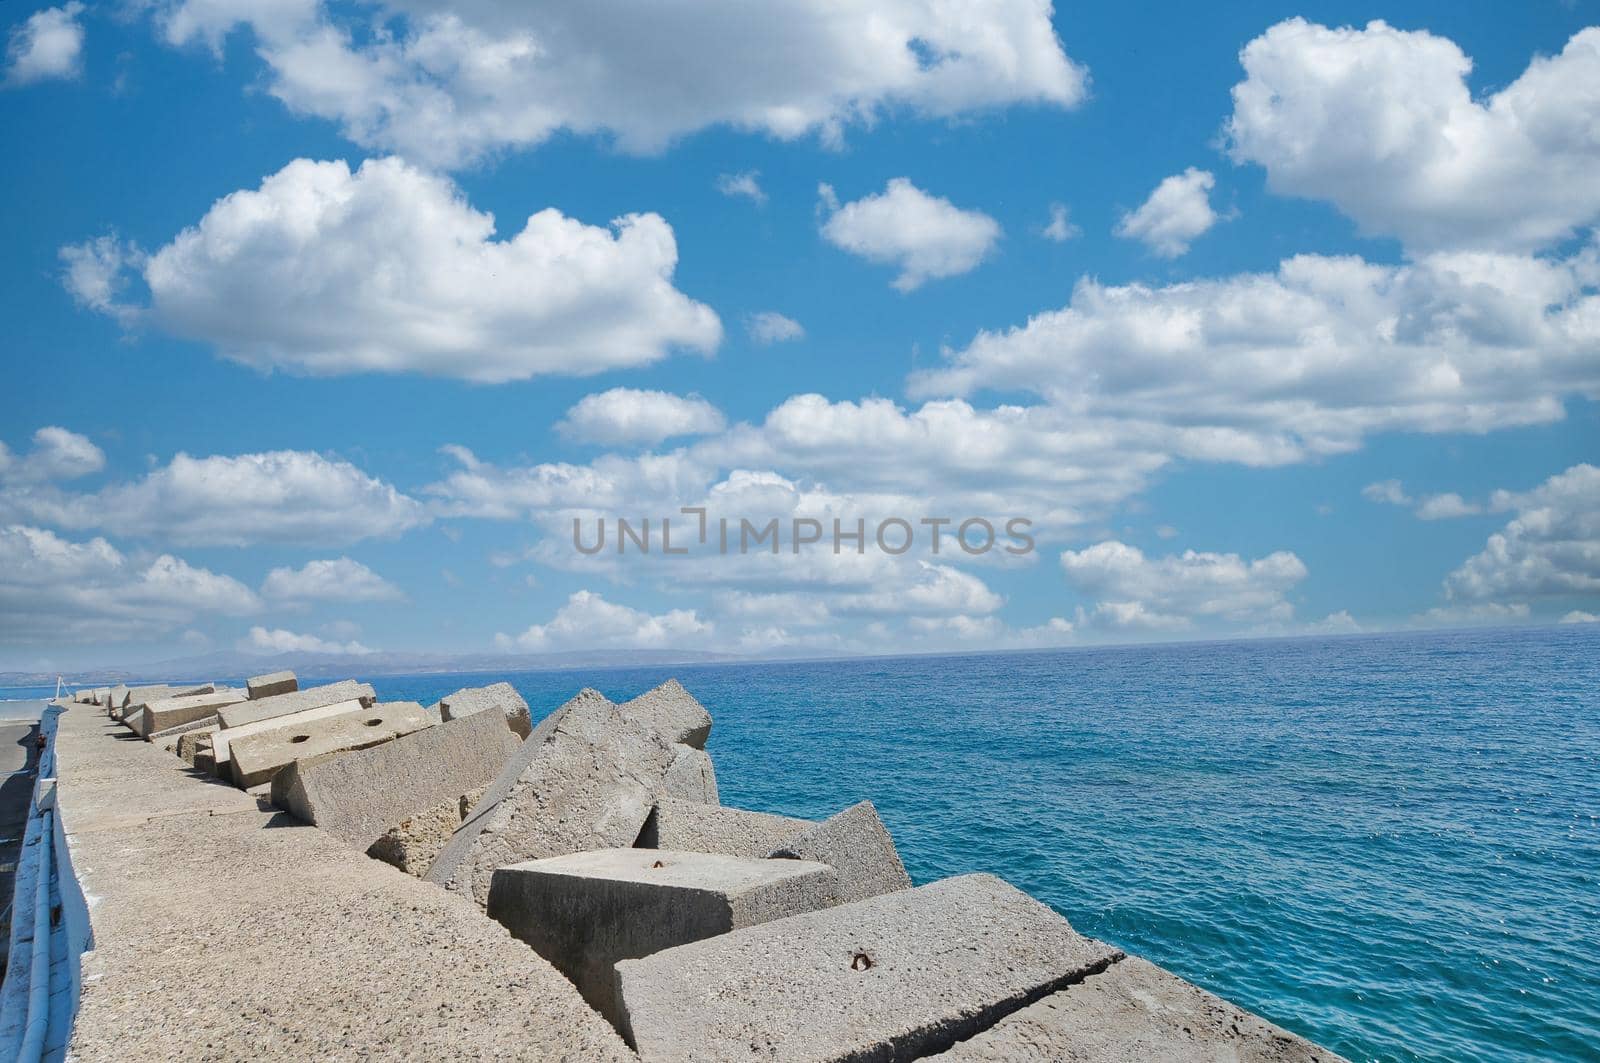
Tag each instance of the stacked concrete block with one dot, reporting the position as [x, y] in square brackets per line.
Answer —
[357, 796]
[586, 911]
[706, 828]
[1134, 1010]
[501, 697]
[899, 976]
[257, 758]
[266, 686]
[222, 741]
[162, 714]
[690, 776]
[190, 741]
[857, 845]
[413, 844]
[672, 712]
[133, 718]
[113, 699]
[249, 712]
[172, 734]
[586, 778]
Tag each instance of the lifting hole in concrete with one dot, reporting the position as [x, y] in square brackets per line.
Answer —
[861, 962]
[301, 738]
[374, 723]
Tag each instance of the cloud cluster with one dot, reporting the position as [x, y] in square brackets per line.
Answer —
[1381, 123]
[1172, 593]
[769, 326]
[387, 269]
[1549, 550]
[589, 621]
[48, 44]
[925, 236]
[449, 83]
[57, 454]
[1177, 212]
[336, 580]
[624, 416]
[280, 640]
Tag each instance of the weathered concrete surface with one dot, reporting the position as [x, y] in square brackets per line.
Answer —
[357, 796]
[247, 712]
[1135, 1010]
[895, 977]
[171, 734]
[133, 718]
[164, 713]
[271, 684]
[585, 911]
[691, 777]
[413, 844]
[672, 712]
[702, 828]
[222, 741]
[857, 845]
[137, 696]
[502, 696]
[257, 758]
[584, 779]
[345, 959]
[189, 742]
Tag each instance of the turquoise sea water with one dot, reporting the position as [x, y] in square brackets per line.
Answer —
[1389, 844]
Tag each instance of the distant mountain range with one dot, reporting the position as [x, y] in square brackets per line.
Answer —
[232, 665]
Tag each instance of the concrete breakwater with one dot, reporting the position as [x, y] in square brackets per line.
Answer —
[575, 891]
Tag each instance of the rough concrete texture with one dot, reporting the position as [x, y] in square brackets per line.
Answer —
[189, 742]
[164, 713]
[356, 796]
[247, 712]
[702, 828]
[501, 696]
[257, 758]
[690, 776]
[137, 696]
[133, 719]
[414, 843]
[271, 684]
[586, 781]
[346, 959]
[585, 911]
[672, 712]
[895, 977]
[1135, 1010]
[171, 734]
[857, 845]
[222, 741]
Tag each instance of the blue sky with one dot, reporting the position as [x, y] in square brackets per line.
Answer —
[1313, 344]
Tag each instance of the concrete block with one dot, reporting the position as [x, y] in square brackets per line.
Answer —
[248, 712]
[205, 758]
[414, 843]
[189, 743]
[586, 778]
[113, 697]
[1135, 1010]
[857, 845]
[672, 712]
[163, 713]
[172, 734]
[690, 776]
[357, 796]
[199, 688]
[500, 696]
[257, 758]
[585, 911]
[137, 696]
[222, 741]
[896, 977]
[703, 828]
[133, 719]
[273, 683]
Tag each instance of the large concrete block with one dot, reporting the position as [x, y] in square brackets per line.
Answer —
[257, 758]
[586, 778]
[1135, 1010]
[857, 845]
[271, 684]
[585, 911]
[690, 776]
[164, 713]
[189, 742]
[672, 712]
[133, 719]
[137, 696]
[172, 734]
[895, 977]
[356, 796]
[111, 699]
[248, 712]
[222, 741]
[703, 828]
[502, 697]
[413, 844]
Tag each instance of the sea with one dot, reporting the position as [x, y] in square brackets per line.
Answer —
[1387, 843]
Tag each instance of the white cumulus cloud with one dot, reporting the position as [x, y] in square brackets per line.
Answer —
[925, 236]
[746, 184]
[1550, 548]
[57, 454]
[388, 269]
[589, 621]
[629, 415]
[48, 44]
[769, 326]
[1177, 212]
[1059, 229]
[1171, 593]
[1381, 123]
[277, 640]
[334, 580]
